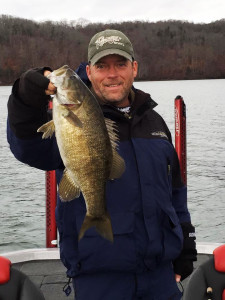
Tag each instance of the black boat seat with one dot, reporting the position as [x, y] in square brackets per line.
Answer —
[207, 282]
[15, 285]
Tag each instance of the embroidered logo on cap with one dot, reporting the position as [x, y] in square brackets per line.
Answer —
[113, 39]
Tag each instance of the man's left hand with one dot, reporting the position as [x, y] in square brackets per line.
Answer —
[177, 277]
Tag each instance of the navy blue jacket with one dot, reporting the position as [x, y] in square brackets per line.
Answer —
[147, 205]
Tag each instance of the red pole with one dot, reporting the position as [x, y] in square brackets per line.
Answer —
[51, 196]
[180, 135]
[51, 199]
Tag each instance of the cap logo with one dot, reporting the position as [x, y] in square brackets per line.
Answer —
[113, 39]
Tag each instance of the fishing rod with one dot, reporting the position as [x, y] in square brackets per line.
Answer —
[180, 135]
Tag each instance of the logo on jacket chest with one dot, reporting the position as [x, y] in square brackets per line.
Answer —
[160, 134]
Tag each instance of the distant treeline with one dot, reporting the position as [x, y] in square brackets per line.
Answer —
[165, 50]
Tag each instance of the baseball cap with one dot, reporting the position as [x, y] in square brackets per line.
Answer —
[109, 42]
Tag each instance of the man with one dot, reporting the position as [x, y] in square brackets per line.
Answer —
[153, 235]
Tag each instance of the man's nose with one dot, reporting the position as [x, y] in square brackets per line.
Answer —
[112, 71]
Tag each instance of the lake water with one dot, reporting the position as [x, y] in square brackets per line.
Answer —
[22, 188]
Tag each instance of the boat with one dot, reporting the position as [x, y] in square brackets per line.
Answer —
[43, 266]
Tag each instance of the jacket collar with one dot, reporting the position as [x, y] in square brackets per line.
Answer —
[142, 102]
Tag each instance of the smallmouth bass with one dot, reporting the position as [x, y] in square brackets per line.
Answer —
[87, 143]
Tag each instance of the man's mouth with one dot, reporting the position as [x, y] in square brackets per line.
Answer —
[112, 85]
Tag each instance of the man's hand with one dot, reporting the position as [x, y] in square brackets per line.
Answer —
[51, 88]
[183, 265]
[177, 277]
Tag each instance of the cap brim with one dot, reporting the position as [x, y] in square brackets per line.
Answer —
[106, 52]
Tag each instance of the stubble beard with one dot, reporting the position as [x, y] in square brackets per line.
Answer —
[116, 100]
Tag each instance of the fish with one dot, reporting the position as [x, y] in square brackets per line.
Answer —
[88, 145]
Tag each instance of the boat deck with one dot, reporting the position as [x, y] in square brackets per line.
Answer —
[45, 269]
[49, 276]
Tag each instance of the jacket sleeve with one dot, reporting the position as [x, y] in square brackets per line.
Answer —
[27, 111]
[179, 189]
[183, 265]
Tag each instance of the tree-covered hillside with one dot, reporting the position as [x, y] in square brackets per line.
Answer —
[164, 50]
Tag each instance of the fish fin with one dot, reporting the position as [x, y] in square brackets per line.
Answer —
[118, 166]
[102, 225]
[72, 118]
[47, 129]
[68, 190]
[112, 131]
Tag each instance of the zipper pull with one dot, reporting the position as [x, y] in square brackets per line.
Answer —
[67, 288]
[128, 116]
[168, 169]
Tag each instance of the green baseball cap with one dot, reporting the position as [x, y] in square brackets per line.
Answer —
[109, 42]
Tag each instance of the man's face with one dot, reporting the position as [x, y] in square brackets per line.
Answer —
[112, 77]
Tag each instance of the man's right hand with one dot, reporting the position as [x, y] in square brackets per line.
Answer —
[35, 87]
[28, 102]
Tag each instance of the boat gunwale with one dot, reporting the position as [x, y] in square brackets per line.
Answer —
[53, 253]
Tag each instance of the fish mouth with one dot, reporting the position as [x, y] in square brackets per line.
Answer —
[69, 105]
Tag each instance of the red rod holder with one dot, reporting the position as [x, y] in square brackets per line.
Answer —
[51, 199]
[180, 135]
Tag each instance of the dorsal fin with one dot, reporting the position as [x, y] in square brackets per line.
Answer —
[112, 131]
[118, 164]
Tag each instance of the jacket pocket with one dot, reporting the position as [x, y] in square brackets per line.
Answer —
[155, 243]
[172, 235]
[96, 253]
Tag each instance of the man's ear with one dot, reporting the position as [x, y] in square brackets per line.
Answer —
[135, 68]
[88, 71]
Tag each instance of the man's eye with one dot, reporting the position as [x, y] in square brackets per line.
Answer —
[99, 66]
[122, 64]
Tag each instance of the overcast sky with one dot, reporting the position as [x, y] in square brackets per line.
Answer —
[197, 11]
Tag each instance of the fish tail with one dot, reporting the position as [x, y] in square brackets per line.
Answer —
[102, 225]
